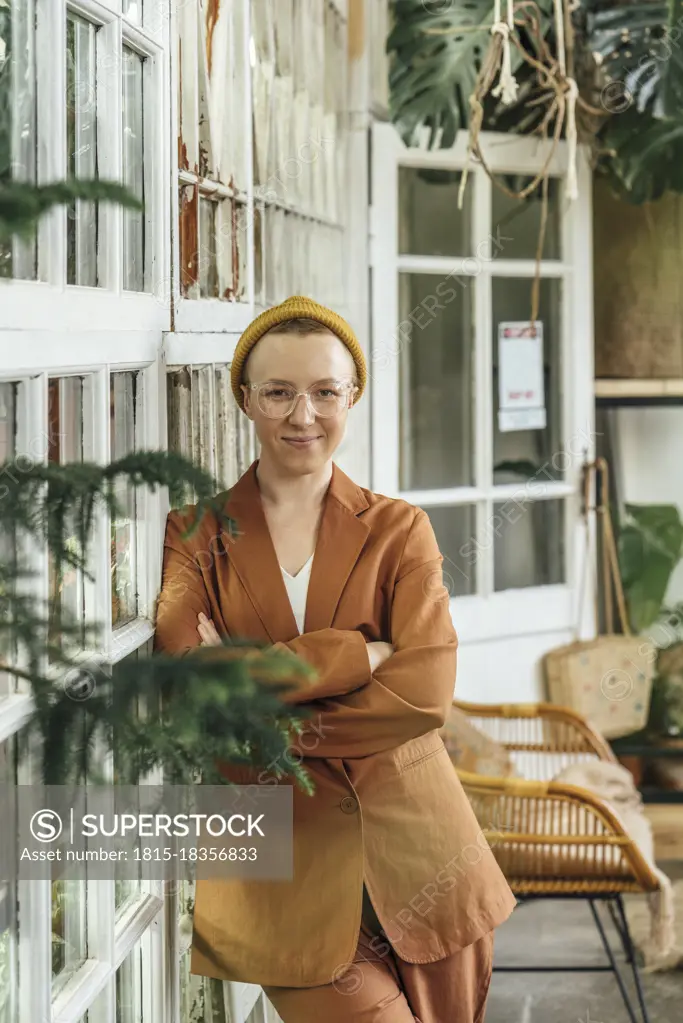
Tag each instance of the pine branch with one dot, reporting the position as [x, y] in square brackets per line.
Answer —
[56, 503]
[198, 713]
[190, 716]
[22, 204]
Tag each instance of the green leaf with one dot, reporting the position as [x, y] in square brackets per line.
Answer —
[650, 547]
[639, 44]
[22, 204]
[436, 52]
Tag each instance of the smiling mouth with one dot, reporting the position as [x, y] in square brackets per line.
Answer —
[300, 440]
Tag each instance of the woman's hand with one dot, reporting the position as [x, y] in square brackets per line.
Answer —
[207, 631]
[378, 652]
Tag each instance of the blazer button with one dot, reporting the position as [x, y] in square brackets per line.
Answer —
[349, 804]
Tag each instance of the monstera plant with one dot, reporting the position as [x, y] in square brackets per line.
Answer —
[626, 56]
[650, 548]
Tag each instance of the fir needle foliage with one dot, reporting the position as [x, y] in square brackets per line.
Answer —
[22, 205]
[187, 715]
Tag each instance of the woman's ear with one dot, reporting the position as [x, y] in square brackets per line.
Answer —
[246, 391]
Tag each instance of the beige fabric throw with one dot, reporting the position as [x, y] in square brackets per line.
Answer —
[615, 785]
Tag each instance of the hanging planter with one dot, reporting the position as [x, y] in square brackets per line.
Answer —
[610, 74]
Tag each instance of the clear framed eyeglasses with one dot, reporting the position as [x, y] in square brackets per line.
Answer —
[278, 400]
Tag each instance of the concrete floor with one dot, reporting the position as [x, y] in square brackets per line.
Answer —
[563, 932]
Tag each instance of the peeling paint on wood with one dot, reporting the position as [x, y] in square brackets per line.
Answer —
[213, 8]
[189, 262]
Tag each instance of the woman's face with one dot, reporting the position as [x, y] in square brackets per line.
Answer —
[303, 441]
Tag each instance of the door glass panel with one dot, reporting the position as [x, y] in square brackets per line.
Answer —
[517, 222]
[435, 346]
[526, 454]
[430, 223]
[528, 539]
[455, 531]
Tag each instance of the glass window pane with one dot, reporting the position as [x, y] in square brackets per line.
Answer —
[238, 89]
[69, 929]
[526, 454]
[516, 223]
[455, 530]
[430, 223]
[435, 347]
[66, 403]
[129, 986]
[124, 598]
[18, 258]
[133, 10]
[81, 147]
[262, 54]
[201, 998]
[8, 408]
[208, 271]
[9, 934]
[528, 539]
[133, 171]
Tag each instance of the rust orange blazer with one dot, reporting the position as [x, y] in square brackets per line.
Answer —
[388, 806]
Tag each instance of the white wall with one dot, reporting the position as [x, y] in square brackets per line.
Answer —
[649, 463]
[504, 671]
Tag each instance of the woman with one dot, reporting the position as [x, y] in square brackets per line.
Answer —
[395, 894]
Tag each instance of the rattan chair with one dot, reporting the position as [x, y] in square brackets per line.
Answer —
[554, 840]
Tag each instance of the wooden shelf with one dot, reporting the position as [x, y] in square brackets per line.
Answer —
[645, 388]
[619, 392]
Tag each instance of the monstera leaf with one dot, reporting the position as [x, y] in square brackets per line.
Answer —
[646, 156]
[650, 545]
[436, 49]
[639, 45]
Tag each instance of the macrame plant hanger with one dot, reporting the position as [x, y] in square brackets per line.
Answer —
[499, 62]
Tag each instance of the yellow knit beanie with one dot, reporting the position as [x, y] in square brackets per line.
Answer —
[294, 308]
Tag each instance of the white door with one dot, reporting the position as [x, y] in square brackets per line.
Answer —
[502, 490]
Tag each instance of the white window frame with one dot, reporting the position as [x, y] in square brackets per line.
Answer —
[488, 614]
[37, 306]
[109, 940]
[49, 329]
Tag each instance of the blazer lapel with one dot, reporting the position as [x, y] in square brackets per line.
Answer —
[253, 557]
[341, 538]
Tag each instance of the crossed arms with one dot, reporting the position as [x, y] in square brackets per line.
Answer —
[359, 712]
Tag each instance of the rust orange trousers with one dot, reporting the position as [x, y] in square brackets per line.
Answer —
[379, 987]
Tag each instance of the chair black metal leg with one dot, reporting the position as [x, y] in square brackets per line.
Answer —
[613, 963]
[628, 949]
[631, 956]
[615, 905]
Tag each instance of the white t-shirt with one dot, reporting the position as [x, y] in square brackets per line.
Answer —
[297, 590]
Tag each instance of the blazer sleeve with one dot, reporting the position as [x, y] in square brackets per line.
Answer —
[338, 657]
[411, 693]
[183, 592]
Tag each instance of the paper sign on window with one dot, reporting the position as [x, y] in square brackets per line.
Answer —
[521, 390]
